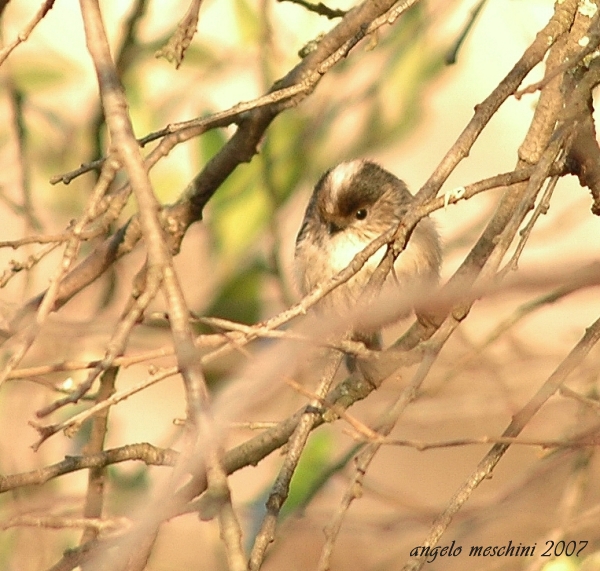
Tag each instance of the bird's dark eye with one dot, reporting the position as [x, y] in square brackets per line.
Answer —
[361, 214]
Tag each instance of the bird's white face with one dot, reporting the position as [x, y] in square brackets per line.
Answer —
[344, 245]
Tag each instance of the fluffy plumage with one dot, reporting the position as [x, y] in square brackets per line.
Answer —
[351, 205]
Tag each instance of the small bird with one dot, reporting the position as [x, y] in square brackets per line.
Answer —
[351, 205]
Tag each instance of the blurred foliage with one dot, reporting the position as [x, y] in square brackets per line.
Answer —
[248, 21]
[240, 297]
[41, 74]
[128, 487]
[314, 461]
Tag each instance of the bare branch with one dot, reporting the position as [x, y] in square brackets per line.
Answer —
[319, 8]
[181, 39]
[59, 522]
[150, 455]
[24, 35]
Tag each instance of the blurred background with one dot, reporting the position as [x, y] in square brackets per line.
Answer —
[393, 100]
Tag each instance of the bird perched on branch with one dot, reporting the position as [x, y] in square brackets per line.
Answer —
[351, 205]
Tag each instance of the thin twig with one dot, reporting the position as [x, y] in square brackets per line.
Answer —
[94, 500]
[577, 442]
[484, 111]
[144, 452]
[98, 525]
[319, 8]
[451, 54]
[541, 208]
[23, 36]
[589, 402]
[14, 267]
[513, 200]
[181, 39]
[279, 93]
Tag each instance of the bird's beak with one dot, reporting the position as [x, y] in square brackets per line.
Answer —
[333, 228]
